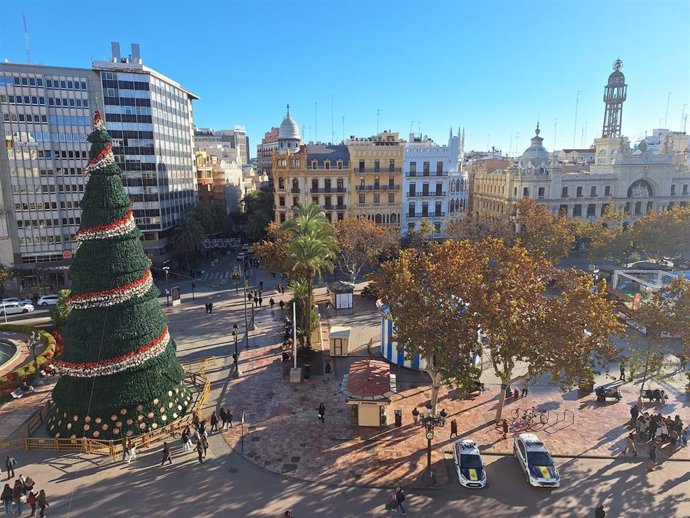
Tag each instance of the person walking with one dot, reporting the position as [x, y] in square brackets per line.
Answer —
[206, 307]
[18, 496]
[652, 457]
[229, 418]
[322, 412]
[32, 500]
[599, 511]
[187, 439]
[505, 428]
[200, 452]
[223, 418]
[204, 444]
[392, 506]
[281, 304]
[525, 388]
[42, 502]
[166, 454]
[453, 428]
[132, 451]
[415, 415]
[634, 413]
[214, 422]
[10, 463]
[210, 307]
[622, 376]
[630, 445]
[6, 498]
[272, 303]
[400, 497]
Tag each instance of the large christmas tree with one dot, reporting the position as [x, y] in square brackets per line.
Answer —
[119, 375]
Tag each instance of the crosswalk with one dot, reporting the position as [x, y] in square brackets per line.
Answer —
[215, 276]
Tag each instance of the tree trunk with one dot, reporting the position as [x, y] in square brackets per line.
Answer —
[307, 310]
[435, 388]
[501, 399]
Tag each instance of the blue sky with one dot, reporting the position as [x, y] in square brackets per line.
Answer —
[493, 67]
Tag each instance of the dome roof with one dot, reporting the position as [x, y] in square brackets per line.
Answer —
[536, 153]
[288, 128]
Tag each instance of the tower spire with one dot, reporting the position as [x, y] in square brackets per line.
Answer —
[288, 109]
[615, 93]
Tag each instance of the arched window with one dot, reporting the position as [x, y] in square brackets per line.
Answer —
[378, 219]
[295, 183]
[281, 183]
[394, 218]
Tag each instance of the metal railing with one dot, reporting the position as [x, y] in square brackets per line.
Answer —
[327, 190]
[380, 187]
[427, 194]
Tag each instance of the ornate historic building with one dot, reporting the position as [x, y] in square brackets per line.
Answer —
[637, 180]
[304, 174]
[376, 165]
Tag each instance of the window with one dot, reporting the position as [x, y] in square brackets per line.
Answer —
[341, 216]
[437, 227]
[685, 188]
[377, 166]
[315, 199]
[327, 201]
[413, 168]
[391, 165]
[314, 185]
[607, 190]
[525, 192]
[340, 184]
[577, 211]
[327, 164]
[413, 190]
[540, 192]
[281, 201]
[377, 183]
[281, 183]
[362, 199]
[282, 217]
[295, 201]
[340, 164]
[673, 189]
[327, 184]
[426, 169]
[591, 210]
[377, 199]
[361, 165]
[391, 198]
[411, 209]
[340, 201]
[439, 168]
[391, 182]
[593, 191]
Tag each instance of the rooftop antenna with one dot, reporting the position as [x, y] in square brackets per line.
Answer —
[577, 103]
[26, 40]
[316, 123]
[683, 118]
[668, 102]
[378, 116]
[332, 123]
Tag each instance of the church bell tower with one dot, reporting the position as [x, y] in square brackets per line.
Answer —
[614, 94]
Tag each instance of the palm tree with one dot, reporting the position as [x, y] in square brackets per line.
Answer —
[187, 236]
[311, 252]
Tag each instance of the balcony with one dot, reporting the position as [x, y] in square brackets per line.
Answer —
[377, 187]
[427, 194]
[327, 190]
[295, 190]
[415, 174]
[335, 207]
[380, 170]
[426, 215]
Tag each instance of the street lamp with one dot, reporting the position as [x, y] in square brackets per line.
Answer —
[429, 421]
[236, 356]
[166, 269]
[236, 275]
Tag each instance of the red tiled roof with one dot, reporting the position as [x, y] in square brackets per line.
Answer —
[369, 378]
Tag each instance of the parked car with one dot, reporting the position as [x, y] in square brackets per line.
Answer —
[14, 308]
[18, 300]
[469, 464]
[48, 300]
[535, 461]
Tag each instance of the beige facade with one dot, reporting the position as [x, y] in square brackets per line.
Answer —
[637, 181]
[376, 177]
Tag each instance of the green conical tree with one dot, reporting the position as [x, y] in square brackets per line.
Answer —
[119, 373]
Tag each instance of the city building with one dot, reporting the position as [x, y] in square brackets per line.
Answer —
[231, 145]
[45, 117]
[149, 117]
[376, 174]
[264, 151]
[303, 174]
[432, 181]
[210, 178]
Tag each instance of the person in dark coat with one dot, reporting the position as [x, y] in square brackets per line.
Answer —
[200, 451]
[214, 422]
[634, 413]
[599, 512]
[322, 412]
[166, 454]
[453, 428]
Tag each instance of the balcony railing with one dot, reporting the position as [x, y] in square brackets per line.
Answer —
[379, 170]
[334, 207]
[428, 194]
[327, 190]
[412, 174]
[379, 187]
[426, 215]
[295, 190]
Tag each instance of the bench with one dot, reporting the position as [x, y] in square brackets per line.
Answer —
[656, 395]
[602, 393]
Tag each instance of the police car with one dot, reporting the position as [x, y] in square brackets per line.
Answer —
[535, 461]
[468, 463]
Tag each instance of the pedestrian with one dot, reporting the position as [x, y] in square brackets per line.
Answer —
[622, 376]
[6, 498]
[187, 439]
[630, 444]
[42, 502]
[29, 484]
[281, 304]
[206, 307]
[652, 457]
[505, 428]
[214, 422]
[261, 285]
[415, 415]
[322, 412]
[166, 455]
[223, 418]
[204, 444]
[525, 388]
[32, 500]
[453, 428]
[271, 302]
[392, 506]
[125, 450]
[261, 300]
[599, 511]
[229, 417]
[400, 497]
[684, 436]
[200, 452]
[328, 369]
[634, 413]
[132, 451]
[10, 463]
[18, 496]
[210, 307]
[288, 514]
[683, 360]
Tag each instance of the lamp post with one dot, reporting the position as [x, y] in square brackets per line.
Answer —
[250, 298]
[236, 275]
[236, 356]
[166, 269]
[429, 421]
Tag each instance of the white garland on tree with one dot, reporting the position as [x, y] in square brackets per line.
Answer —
[116, 229]
[104, 299]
